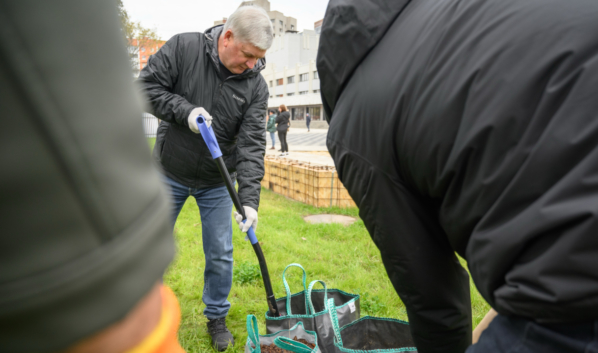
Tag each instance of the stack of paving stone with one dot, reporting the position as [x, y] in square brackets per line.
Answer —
[312, 184]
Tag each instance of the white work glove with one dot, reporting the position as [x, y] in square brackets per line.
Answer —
[251, 219]
[192, 119]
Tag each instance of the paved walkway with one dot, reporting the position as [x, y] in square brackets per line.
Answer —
[304, 146]
[301, 140]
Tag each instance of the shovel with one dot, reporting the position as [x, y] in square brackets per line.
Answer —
[208, 136]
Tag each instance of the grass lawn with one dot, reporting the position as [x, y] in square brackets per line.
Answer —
[343, 257]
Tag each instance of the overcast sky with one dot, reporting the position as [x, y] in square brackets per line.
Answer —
[170, 17]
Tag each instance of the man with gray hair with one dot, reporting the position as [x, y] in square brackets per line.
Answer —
[215, 74]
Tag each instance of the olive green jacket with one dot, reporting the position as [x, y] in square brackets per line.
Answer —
[85, 220]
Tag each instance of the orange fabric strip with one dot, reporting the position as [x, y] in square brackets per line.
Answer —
[163, 339]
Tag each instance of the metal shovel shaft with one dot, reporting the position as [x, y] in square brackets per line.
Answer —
[210, 139]
[256, 246]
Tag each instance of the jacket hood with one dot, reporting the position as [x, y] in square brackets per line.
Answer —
[350, 30]
[212, 35]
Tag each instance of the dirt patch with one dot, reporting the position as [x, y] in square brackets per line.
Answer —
[330, 218]
[273, 349]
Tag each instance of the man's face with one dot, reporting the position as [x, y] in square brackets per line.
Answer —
[236, 55]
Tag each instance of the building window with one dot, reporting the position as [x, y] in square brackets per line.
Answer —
[298, 113]
[302, 93]
[291, 79]
[279, 82]
[303, 77]
[316, 91]
[279, 95]
[280, 30]
[143, 57]
[316, 75]
[292, 27]
[281, 23]
[270, 83]
[291, 94]
[143, 49]
[315, 113]
[272, 20]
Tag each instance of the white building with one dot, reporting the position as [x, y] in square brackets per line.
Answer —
[291, 74]
[280, 23]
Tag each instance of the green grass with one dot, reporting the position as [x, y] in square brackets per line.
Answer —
[343, 257]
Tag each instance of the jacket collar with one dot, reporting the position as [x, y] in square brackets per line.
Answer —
[212, 34]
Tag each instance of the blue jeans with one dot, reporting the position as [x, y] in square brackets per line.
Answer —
[518, 335]
[273, 137]
[215, 208]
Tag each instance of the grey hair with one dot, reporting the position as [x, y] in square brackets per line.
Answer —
[251, 24]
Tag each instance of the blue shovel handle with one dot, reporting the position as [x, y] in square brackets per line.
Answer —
[208, 136]
[251, 234]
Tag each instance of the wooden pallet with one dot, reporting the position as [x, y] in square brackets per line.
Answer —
[312, 184]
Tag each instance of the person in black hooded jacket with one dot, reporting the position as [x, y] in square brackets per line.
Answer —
[283, 122]
[472, 127]
[214, 74]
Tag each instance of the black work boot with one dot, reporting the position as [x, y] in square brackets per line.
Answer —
[221, 336]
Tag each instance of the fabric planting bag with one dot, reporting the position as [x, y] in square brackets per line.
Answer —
[283, 339]
[311, 308]
[372, 335]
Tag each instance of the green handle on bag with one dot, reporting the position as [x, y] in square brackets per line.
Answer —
[311, 305]
[253, 332]
[291, 345]
[334, 320]
[288, 289]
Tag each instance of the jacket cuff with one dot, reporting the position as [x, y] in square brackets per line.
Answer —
[253, 205]
[185, 121]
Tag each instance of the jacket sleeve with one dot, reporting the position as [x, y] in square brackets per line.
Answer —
[158, 79]
[251, 148]
[420, 262]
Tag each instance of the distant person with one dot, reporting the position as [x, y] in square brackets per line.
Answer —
[307, 121]
[283, 123]
[471, 128]
[271, 128]
[86, 234]
[215, 74]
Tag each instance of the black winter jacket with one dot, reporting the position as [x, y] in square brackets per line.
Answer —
[283, 121]
[185, 74]
[470, 126]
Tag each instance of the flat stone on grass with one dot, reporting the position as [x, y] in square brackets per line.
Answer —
[330, 218]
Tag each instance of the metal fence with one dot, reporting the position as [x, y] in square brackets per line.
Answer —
[150, 125]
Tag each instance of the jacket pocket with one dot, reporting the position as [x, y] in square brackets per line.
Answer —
[160, 139]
